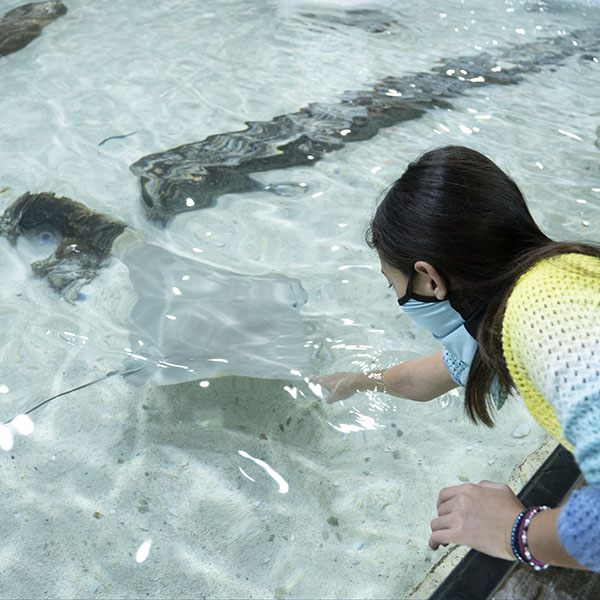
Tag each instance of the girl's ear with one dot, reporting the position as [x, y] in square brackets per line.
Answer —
[431, 282]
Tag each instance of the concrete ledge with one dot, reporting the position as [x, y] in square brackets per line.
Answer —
[478, 576]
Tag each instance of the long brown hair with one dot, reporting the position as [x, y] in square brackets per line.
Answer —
[457, 210]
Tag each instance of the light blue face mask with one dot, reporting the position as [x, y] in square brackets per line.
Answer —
[450, 328]
[444, 322]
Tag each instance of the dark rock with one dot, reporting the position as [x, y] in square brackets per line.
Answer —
[23, 24]
[84, 237]
[194, 175]
[367, 19]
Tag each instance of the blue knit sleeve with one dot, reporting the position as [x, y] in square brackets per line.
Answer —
[579, 519]
[459, 370]
[579, 527]
[581, 425]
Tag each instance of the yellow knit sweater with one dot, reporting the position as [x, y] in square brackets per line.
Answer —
[551, 339]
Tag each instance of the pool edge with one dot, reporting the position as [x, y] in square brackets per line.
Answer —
[477, 575]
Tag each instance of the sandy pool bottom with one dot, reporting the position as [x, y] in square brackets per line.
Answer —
[236, 490]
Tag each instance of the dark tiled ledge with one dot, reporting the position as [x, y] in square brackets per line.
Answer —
[554, 584]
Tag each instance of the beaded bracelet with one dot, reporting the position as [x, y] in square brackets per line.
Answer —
[518, 537]
[514, 533]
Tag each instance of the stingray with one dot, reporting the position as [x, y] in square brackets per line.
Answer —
[20, 26]
[191, 320]
[193, 176]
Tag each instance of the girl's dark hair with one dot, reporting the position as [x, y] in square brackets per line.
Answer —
[455, 209]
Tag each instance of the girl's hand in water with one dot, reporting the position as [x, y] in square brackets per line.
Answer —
[480, 516]
[339, 385]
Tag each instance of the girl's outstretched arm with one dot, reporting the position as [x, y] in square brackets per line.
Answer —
[422, 379]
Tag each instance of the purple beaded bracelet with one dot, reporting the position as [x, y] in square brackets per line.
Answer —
[518, 537]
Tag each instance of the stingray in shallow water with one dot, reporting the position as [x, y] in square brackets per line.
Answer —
[194, 320]
[194, 175]
[23, 24]
[191, 319]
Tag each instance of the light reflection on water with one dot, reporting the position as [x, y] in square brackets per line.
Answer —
[372, 464]
[281, 482]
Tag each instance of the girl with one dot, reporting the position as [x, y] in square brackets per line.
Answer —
[512, 308]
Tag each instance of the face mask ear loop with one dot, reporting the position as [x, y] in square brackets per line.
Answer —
[418, 297]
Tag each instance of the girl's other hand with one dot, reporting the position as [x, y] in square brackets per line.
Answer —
[480, 516]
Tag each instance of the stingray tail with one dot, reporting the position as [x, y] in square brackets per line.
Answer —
[123, 371]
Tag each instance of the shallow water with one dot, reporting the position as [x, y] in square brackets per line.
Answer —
[113, 466]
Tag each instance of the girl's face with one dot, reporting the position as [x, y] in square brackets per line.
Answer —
[396, 279]
[426, 280]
